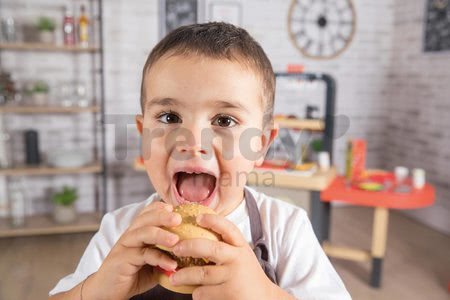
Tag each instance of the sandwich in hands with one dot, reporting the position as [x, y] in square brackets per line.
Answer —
[188, 229]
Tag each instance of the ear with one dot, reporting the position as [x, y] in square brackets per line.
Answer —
[267, 139]
[139, 123]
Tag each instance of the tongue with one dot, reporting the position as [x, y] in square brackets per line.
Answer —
[195, 187]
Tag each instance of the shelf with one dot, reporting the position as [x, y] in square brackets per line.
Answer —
[291, 179]
[44, 225]
[29, 109]
[314, 125]
[279, 178]
[46, 170]
[45, 47]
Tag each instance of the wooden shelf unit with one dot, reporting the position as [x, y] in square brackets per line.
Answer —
[302, 124]
[30, 109]
[38, 224]
[47, 170]
[46, 47]
[44, 225]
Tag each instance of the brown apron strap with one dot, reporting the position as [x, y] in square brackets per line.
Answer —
[255, 219]
[260, 246]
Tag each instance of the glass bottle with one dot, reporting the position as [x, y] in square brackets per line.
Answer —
[83, 28]
[5, 147]
[17, 203]
[81, 94]
[9, 28]
[68, 28]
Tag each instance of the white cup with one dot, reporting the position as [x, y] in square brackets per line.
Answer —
[401, 173]
[418, 178]
[324, 160]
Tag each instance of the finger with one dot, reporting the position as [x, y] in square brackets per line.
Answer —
[148, 235]
[153, 257]
[217, 252]
[156, 217]
[204, 275]
[229, 232]
[138, 257]
[208, 292]
[156, 205]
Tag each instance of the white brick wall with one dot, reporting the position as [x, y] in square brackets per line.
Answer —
[367, 74]
[417, 132]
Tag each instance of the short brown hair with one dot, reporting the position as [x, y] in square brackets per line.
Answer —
[218, 40]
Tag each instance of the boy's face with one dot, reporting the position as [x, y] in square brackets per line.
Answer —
[202, 130]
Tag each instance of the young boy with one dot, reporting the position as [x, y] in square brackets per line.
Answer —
[207, 101]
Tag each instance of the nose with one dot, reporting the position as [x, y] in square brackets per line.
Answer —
[195, 150]
[192, 145]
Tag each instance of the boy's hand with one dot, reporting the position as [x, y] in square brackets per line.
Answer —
[237, 273]
[127, 270]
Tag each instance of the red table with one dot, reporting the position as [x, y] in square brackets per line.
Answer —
[382, 201]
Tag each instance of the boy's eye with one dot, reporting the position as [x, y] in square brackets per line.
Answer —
[224, 121]
[169, 118]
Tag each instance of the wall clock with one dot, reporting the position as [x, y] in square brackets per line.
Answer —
[321, 29]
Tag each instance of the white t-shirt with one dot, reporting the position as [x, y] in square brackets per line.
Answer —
[301, 266]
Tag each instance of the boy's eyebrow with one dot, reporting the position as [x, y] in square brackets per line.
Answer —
[163, 102]
[230, 104]
[175, 102]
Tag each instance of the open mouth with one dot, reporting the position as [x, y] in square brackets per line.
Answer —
[198, 187]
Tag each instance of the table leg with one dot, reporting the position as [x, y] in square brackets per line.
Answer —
[320, 216]
[379, 238]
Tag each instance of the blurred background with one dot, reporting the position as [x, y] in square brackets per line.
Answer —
[363, 96]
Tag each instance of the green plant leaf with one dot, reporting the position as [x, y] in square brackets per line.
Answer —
[65, 197]
[46, 24]
[317, 145]
[40, 87]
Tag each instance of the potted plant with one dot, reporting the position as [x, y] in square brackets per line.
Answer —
[64, 210]
[316, 146]
[40, 91]
[46, 27]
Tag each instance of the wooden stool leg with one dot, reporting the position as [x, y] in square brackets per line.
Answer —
[379, 238]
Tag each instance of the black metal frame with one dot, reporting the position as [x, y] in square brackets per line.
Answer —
[375, 276]
[321, 211]
[102, 109]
